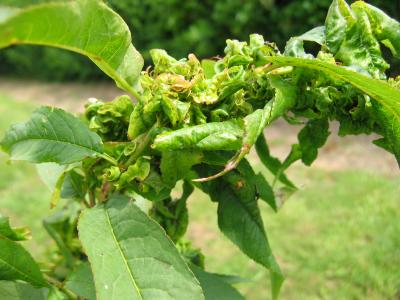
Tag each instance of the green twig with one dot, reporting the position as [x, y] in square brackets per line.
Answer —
[58, 284]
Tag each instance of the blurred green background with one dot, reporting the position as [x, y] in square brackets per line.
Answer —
[180, 27]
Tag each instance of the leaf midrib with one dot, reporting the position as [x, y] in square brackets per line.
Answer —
[55, 141]
[122, 253]
[22, 273]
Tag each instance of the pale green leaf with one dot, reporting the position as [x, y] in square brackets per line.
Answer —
[339, 15]
[386, 29]
[10, 290]
[131, 256]
[81, 282]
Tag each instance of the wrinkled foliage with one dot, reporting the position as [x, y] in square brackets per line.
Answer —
[192, 123]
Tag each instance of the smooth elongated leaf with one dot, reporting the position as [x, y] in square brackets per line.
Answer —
[17, 264]
[51, 135]
[14, 234]
[273, 164]
[81, 282]
[214, 287]
[240, 220]
[10, 290]
[265, 191]
[387, 96]
[87, 27]
[131, 256]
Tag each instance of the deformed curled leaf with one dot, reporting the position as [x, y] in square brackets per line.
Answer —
[254, 123]
[14, 234]
[383, 93]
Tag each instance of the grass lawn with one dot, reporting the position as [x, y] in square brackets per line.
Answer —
[337, 238]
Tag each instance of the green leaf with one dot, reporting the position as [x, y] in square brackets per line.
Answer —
[56, 294]
[232, 279]
[49, 173]
[138, 171]
[51, 135]
[214, 287]
[14, 234]
[131, 256]
[10, 290]
[312, 137]
[176, 164]
[339, 14]
[240, 220]
[211, 136]
[208, 66]
[17, 264]
[87, 27]
[264, 190]
[387, 96]
[59, 226]
[295, 46]
[81, 282]
[386, 29]
[273, 164]
[354, 35]
[74, 186]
